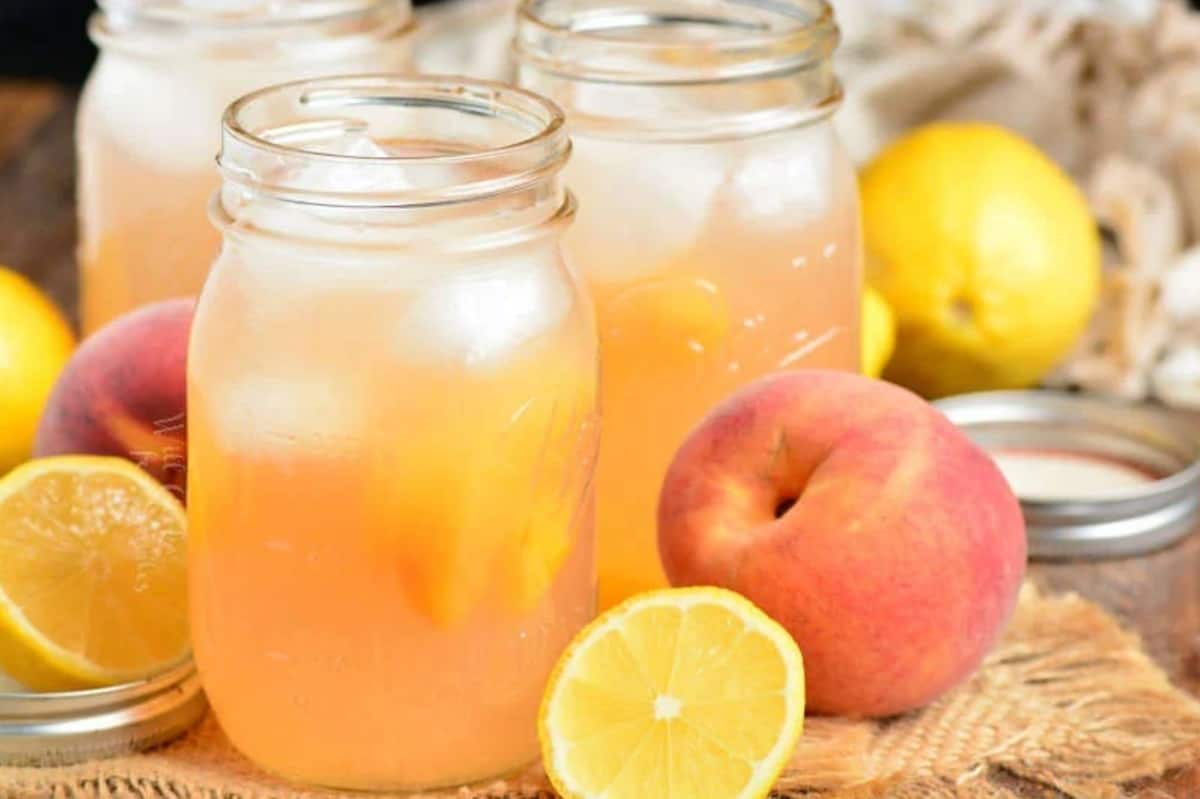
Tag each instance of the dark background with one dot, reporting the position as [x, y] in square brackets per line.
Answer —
[45, 39]
[48, 39]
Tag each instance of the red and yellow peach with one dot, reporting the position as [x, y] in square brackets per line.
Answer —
[124, 392]
[861, 519]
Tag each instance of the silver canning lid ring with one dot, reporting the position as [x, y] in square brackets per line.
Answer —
[54, 729]
[1131, 522]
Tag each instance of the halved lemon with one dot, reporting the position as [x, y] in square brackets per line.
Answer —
[93, 585]
[677, 694]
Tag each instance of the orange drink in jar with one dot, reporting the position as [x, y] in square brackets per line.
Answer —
[718, 223]
[149, 124]
[392, 426]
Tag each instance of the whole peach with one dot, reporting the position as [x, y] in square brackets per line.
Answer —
[861, 519]
[124, 392]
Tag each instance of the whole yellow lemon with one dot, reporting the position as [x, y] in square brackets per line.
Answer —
[878, 333]
[35, 343]
[986, 252]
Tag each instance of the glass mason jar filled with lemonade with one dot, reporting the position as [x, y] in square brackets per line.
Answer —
[718, 223]
[149, 124]
[392, 427]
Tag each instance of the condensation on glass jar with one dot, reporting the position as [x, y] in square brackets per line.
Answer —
[392, 428]
[149, 123]
[718, 223]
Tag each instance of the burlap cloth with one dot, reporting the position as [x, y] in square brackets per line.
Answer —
[1069, 702]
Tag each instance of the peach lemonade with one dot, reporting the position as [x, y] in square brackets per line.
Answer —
[718, 223]
[149, 124]
[392, 390]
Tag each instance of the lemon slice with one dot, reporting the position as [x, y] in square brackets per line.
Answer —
[878, 332]
[93, 587]
[675, 694]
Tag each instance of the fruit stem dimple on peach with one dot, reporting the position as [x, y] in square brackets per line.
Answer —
[783, 506]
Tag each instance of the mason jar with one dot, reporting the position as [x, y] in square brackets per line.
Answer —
[718, 222]
[149, 124]
[392, 427]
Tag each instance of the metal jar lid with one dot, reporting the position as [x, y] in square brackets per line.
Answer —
[1131, 521]
[53, 729]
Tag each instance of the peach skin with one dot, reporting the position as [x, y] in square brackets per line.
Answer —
[861, 519]
[124, 393]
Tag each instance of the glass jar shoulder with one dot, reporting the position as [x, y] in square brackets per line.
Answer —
[805, 167]
[433, 310]
[650, 205]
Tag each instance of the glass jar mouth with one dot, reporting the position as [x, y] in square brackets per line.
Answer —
[391, 141]
[227, 14]
[177, 28]
[669, 42]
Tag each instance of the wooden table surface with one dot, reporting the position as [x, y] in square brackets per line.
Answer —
[1159, 595]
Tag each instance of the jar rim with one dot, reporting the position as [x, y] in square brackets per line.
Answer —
[535, 153]
[64, 727]
[582, 39]
[1126, 522]
[257, 16]
[159, 29]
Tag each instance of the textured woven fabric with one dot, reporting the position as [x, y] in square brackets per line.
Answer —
[1068, 701]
